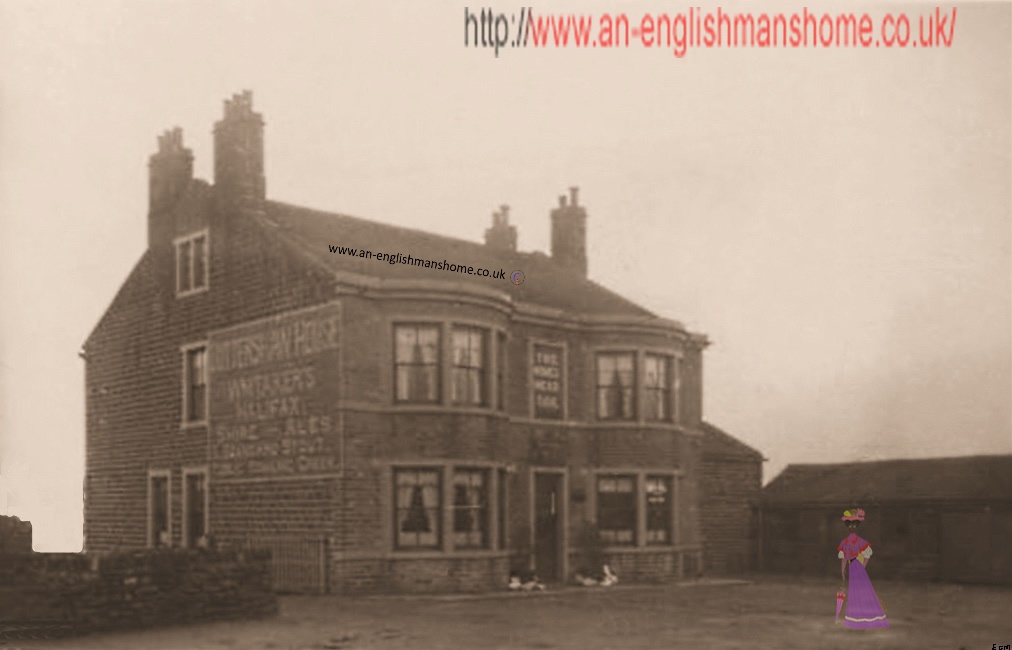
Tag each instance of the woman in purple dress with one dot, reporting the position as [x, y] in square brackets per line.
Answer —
[864, 611]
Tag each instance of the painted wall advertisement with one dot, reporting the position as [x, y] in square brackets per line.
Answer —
[274, 392]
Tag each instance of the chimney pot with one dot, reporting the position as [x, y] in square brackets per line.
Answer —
[573, 195]
[501, 235]
[170, 170]
[562, 200]
[238, 151]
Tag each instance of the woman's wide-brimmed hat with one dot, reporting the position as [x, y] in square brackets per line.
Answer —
[853, 515]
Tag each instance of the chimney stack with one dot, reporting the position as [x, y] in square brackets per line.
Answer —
[239, 152]
[170, 171]
[502, 235]
[569, 233]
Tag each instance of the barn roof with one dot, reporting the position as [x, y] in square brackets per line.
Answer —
[964, 478]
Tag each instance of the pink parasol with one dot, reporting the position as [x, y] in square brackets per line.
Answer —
[840, 595]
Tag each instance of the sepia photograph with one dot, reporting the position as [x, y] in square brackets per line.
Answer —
[584, 325]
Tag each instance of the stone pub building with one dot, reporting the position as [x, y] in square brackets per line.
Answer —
[381, 426]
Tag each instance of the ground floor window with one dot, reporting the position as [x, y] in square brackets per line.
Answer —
[159, 531]
[470, 508]
[418, 508]
[502, 508]
[616, 509]
[636, 509]
[658, 510]
[466, 500]
[194, 508]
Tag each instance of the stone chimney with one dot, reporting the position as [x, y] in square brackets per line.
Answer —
[569, 233]
[501, 235]
[170, 171]
[239, 152]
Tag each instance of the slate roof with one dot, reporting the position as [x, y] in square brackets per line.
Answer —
[717, 442]
[133, 296]
[546, 283]
[928, 479]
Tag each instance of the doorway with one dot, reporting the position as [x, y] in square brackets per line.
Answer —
[549, 521]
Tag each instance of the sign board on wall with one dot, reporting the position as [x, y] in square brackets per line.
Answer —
[274, 393]
[546, 371]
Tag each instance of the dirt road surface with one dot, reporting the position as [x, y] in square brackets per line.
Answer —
[767, 613]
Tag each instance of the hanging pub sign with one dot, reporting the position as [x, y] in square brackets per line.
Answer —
[547, 381]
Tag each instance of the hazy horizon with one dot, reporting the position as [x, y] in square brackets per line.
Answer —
[838, 222]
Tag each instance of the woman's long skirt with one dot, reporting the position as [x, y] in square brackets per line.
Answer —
[864, 611]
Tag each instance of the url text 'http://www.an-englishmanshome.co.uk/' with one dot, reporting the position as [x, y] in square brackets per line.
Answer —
[698, 28]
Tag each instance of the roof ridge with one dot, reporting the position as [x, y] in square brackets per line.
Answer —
[311, 228]
[897, 460]
[374, 222]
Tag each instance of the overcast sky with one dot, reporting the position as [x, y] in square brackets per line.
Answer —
[837, 221]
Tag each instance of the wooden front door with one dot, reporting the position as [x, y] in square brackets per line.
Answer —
[547, 526]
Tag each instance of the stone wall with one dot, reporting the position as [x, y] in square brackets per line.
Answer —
[134, 362]
[731, 489]
[79, 593]
[15, 535]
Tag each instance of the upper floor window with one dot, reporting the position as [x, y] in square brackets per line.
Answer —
[500, 368]
[616, 383]
[468, 366]
[191, 264]
[657, 387]
[195, 384]
[416, 363]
